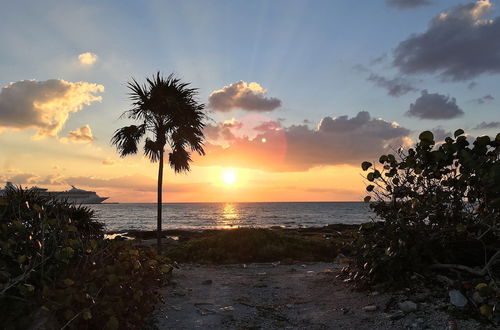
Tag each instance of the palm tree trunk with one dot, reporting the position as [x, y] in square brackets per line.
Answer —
[159, 202]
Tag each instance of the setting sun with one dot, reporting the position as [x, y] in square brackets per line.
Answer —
[229, 176]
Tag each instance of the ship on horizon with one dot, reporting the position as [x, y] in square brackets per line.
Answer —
[74, 195]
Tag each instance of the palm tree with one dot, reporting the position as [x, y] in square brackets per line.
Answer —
[168, 113]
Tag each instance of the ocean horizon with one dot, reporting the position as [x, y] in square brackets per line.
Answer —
[218, 215]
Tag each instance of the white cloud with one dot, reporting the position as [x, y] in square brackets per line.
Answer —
[44, 105]
[87, 59]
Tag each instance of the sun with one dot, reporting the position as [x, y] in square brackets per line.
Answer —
[229, 176]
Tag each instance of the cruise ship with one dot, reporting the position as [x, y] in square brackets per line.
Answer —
[74, 195]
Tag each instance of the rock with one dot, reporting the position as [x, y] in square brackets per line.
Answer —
[370, 308]
[396, 315]
[477, 297]
[207, 282]
[407, 306]
[457, 299]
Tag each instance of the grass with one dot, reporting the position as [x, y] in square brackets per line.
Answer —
[245, 245]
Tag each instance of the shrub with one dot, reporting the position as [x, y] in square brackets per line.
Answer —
[440, 206]
[57, 270]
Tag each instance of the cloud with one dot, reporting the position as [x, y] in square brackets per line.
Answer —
[459, 44]
[81, 135]
[336, 140]
[482, 100]
[490, 125]
[472, 85]
[395, 87]
[108, 162]
[44, 105]
[242, 95]
[87, 59]
[407, 4]
[20, 178]
[434, 106]
[440, 134]
[223, 131]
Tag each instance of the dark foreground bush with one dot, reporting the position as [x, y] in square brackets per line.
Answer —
[56, 269]
[441, 209]
[252, 245]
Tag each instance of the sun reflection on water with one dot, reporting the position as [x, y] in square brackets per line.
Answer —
[230, 216]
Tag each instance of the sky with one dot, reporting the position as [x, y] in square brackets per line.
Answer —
[299, 93]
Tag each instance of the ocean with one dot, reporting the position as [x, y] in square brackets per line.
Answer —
[122, 217]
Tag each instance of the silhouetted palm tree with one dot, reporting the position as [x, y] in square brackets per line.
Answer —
[168, 114]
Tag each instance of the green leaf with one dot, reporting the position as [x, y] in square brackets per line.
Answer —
[112, 323]
[366, 165]
[370, 176]
[458, 132]
[426, 136]
[69, 282]
[87, 315]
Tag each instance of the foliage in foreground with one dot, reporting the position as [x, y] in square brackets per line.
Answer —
[440, 206]
[245, 245]
[57, 270]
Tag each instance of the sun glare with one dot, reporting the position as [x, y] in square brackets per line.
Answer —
[229, 176]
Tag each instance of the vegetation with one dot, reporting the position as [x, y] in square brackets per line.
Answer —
[253, 245]
[440, 206]
[57, 270]
[168, 113]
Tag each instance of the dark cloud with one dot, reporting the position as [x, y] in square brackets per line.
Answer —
[407, 4]
[336, 140]
[434, 106]
[222, 131]
[459, 44]
[472, 85]
[440, 134]
[242, 95]
[490, 125]
[395, 87]
[44, 105]
[482, 100]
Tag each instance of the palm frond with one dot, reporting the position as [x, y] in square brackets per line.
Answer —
[152, 150]
[179, 160]
[127, 138]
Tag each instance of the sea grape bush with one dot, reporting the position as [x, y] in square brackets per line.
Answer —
[440, 204]
[56, 268]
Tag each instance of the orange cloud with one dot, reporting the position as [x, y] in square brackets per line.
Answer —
[81, 135]
[336, 141]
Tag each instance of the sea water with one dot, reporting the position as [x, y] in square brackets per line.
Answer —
[121, 217]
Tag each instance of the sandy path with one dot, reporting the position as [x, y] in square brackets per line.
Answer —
[264, 296]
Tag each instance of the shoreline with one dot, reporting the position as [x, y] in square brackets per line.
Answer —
[198, 233]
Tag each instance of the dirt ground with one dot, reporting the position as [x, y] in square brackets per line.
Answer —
[273, 296]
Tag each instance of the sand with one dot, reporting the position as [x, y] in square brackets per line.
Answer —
[270, 296]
